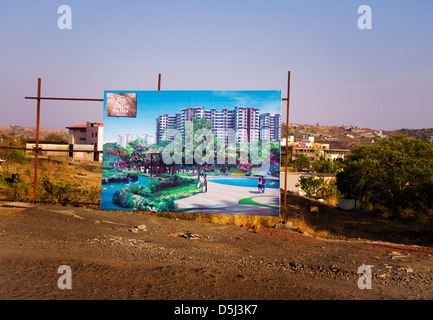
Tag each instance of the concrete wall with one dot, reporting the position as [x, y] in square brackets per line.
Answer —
[292, 180]
[86, 155]
[49, 154]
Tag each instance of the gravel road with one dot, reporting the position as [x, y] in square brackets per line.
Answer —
[126, 256]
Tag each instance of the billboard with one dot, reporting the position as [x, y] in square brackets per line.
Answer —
[192, 151]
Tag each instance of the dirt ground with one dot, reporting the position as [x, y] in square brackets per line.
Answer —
[173, 259]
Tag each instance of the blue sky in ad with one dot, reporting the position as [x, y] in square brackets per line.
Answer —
[151, 104]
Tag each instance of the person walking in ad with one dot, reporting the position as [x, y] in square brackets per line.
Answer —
[260, 185]
[263, 184]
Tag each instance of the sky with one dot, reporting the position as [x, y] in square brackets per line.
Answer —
[379, 78]
[152, 104]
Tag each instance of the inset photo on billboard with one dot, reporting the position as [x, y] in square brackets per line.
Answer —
[193, 151]
[121, 105]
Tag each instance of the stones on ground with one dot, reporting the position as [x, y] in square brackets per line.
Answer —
[187, 235]
[17, 205]
[256, 229]
[138, 228]
[407, 270]
[249, 225]
[397, 255]
[67, 213]
[384, 275]
[111, 222]
[283, 225]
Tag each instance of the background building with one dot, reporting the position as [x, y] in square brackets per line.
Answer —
[247, 124]
[124, 139]
[86, 137]
[270, 127]
[49, 145]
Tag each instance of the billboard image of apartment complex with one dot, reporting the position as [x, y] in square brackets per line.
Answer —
[193, 151]
[246, 124]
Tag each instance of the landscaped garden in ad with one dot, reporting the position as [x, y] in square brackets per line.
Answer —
[192, 151]
[135, 178]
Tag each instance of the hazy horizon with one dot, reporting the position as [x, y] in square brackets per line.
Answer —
[291, 124]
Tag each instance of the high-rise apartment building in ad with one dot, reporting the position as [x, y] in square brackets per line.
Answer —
[270, 127]
[238, 125]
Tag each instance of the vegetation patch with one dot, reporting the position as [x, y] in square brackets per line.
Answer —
[251, 202]
[158, 195]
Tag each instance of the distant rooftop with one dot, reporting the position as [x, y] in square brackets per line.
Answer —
[82, 126]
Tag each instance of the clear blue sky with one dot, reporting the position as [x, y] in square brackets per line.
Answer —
[380, 78]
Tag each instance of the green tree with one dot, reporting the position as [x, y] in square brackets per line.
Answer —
[138, 157]
[318, 186]
[395, 174]
[201, 124]
[310, 185]
[302, 162]
[328, 166]
[187, 144]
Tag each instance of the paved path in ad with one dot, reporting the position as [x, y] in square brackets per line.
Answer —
[222, 198]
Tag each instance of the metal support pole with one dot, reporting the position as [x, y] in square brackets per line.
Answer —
[287, 141]
[159, 82]
[38, 114]
[64, 99]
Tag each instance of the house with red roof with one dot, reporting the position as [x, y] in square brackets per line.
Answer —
[86, 138]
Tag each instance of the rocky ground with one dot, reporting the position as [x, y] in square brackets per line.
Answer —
[126, 256]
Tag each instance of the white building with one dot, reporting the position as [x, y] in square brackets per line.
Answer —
[124, 139]
[247, 124]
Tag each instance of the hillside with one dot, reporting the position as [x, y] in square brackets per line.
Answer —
[30, 133]
[338, 137]
[345, 137]
[421, 134]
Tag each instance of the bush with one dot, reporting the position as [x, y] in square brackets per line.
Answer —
[326, 189]
[136, 198]
[18, 156]
[144, 198]
[310, 185]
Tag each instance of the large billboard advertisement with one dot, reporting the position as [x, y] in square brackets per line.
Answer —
[192, 151]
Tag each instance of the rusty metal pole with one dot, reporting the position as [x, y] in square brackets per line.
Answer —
[159, 82]
[38, 113]
[287, 143]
